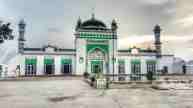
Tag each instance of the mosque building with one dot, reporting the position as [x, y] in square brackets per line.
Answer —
[95, 51]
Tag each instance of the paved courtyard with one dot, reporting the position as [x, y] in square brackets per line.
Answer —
[75, 93]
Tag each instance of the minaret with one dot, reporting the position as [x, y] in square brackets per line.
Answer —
[157, 31]
[114, 32]
[114, 27]
[78, 25]
[21, 38]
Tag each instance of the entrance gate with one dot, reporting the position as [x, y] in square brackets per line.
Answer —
[97, 66]
[97, 57]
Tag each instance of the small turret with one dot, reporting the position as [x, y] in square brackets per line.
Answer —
[78, 25]
[114, 25]
[157, 31]
[114, 28]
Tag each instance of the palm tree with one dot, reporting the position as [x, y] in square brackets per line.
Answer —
[5, 32]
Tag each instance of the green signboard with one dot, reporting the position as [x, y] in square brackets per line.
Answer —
[97, 62]
[95, 36]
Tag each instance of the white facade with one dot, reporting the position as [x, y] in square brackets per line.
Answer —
[180, 66]
[95, 52]
[189, 67]
[3, 70]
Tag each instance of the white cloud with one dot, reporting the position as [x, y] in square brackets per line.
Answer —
[180, 46]
[186, 22]
[157, 2]
[135, 39]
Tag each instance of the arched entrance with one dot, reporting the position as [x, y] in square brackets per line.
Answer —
[96, 61]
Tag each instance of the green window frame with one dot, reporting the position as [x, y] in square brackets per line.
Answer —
[30, 61]
[135, 69]
[66, 61]
[30, 66]
[121, 69]
[48, 61]
[151, 66]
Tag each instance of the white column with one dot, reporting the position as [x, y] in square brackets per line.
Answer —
[81, 53]
[40, 65]
[128, 67]
[22, 64]
[143, 68]
[57, 61]
[73, 65]
[104, 68]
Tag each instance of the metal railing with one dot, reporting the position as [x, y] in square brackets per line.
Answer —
[128, 77]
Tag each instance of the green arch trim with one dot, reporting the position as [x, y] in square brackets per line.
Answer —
[48, 61]
[135, 61]
[92, 47]
[151, 61]
[31, 61]
[121, 61]
[66, 61]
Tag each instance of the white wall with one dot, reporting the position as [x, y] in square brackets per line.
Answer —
[80, 52]
[111, 56]
[189, 69]
[143, 60]
[40, 63]
[166, 61]
[57, 62]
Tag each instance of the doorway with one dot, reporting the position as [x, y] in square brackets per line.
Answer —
[97, 67]
[49, 66]
[49, 69]
[66, 69]
[135, 70]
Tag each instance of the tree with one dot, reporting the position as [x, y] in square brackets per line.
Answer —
[5, 32]
[150, 76]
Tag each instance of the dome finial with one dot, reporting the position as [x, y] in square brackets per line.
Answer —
[93, 16]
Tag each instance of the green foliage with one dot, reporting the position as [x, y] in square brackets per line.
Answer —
[150, 76]
[86, 74]
[5, 32]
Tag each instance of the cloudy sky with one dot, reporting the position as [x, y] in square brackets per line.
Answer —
[53, 21]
